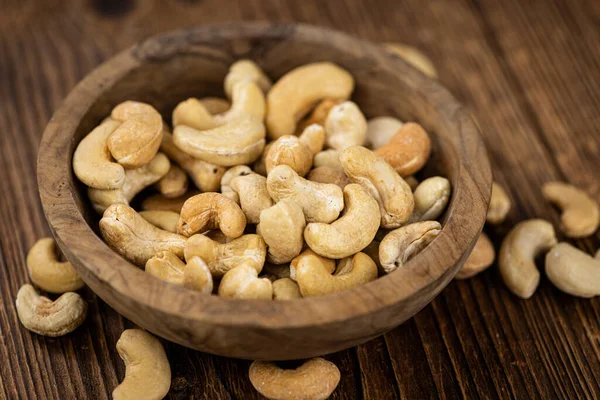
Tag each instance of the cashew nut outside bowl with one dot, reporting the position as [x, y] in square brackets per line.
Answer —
[581, 214]
[49, 274]
[573, 271]
[482, 256]
[499, 205]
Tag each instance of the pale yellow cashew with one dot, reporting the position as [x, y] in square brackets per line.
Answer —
[166, 220]
[136, 141]
[482, 256]
[158, 202]
[286, 289]
[147, 369]
[245, 70]
[174, 184]
[208, 211]
[431, 198]
[380, 130]
[253, 194]
[169, 268]
[313, 137]
[282, 226]
[242, 282]
[499, 205]
[414, 57]
[248, 99]
[313, 258]
[408, 150]
[345, 126]
[573, 271]
[192, 113]
[327, 158]
[329, 175]
[293, 95]
[581, 214]
[49, 274]
[233, 172]
[518, 251]
[50, 318]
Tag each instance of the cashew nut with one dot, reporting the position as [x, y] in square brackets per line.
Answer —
[92, 161]
[402, 244]
[573, 271]
[206, 211]
[289, 150]
[242, 282]
[327, 158]
[134, 238]
[174, 184]
[166, 220]
[136, 141]
[313, 258]
[215, 105]
[49, 274]
[482, 256]
[158, 202]
[246, 70]
[281, 226]
[518, 251]
[253, 194]
[581, 214]
[248, 99]
[499, 205]
[314, 279]
[294, 94]
[50, 318]
[313, 137]
[233, 172]
[345, 126]
[192, 113]
[326, 174]
[135, 181]
[408, 150]
[352, 232]
[222, 257]
[431, 198]
[414, 57]
[380, 130]
[318, 115]
[320, 202]
[286, 289]
[393, 194]
[316, 379]
[147, 369]
[169, 268]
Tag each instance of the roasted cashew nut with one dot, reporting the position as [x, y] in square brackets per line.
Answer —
[208, 211]
[380, 130]
[408, 150]
[402, 244]
[431, 198]
[345, 126]
[253, 194]
[147, 369]
[352, 232]
[282, 226]
[166, 220]
[242, 282]
[329, 175]
[499, 205]
[293, 95]
[169, 268]
[245, 70]
[158, 202]
[318, 115]
[327, 158]
[50, 318]
[136, 141]
[414, 57]
[517, 255]
[134, 238]
[174, 184]
[289, 150]
[573, 271]
[285, 289]
[49, 274]
[581, 214]
[482, 256]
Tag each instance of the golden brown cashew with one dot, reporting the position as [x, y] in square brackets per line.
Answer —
[573, 271]
[286, 289]
[207, 211]
[174, 184]
[581, 214]
[402, 244]
[482, 256]
[192, 113]
[316, 379]
[313, 137]
[233, 172]
[518, 251]
[136, 239]
[50, 318]
[329, 175]
[345, 126]
[282, 226]
[147, 369]
[499, 205]
[169, 268]
[352, 232]
[158, 202]
[246, 70]
[327, 158]
[392, 193]
[166, 220]
[318, 115]
[320, 202]
[431, 198]
[414, 57]
[49, 274]
[380, 130]
[242, 282]
[294, 94]
[92, 161]
[289, 150]
[222, 257]
[253, 194]
[248, 99]
[314, 279]
[135, 181]
[215, 105]
[136, 141]
[408, 150]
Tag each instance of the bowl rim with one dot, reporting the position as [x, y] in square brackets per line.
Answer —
[78, 241]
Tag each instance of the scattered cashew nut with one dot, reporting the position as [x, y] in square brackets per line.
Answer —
[242, 282]
[499, 205]
[431, 198]
[482, 256]
[581, 214]
[49, 274]
[345, 126]
[380, 130]
[207, 211]
[408, 150]
[282, 226]
[573, 271]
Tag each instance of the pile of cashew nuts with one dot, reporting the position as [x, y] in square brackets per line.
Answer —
[280, 192]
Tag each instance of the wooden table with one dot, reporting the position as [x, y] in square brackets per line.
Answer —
[529, 70]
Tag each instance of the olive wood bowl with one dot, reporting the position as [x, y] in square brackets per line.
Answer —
[171, 67]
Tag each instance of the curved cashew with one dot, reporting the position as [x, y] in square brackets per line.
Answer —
[248, 99]
[345, 126]
[352, 232]
[246, 70]
[169, 268]
[312, 258]
[215, 105]
[499, 205]
[414, 57]
[49, 274]
[174, 184]
[92, 161]
[318, 115]
[316, 379]
[393, 194]
[233, 172]
[518, 251]
[313, 137]
[222, 257]
[327, 158]
[158, 202]
[253, 194]
[402, 244]
[242, 282]
[431, 198]
[207, 211]
[147, 369]
[192, 113]
[166, 220]
[294, 94]
[135, 181]
[408, 150]
[289, 150]
[50, 318]
[281, 226]
[581, 214]
[136, 141]
[482, 256]
[260, 166]
[573, 271]
[329, 175]
[286, 289]
[314, 280]
[320, 202]
[380, 130]
[134, 238]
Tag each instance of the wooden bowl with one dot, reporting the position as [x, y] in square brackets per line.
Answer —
[171, 67]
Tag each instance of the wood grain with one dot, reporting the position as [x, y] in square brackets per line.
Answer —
[529, 72]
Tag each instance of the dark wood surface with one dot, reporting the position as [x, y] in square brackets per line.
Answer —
[530, 71]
